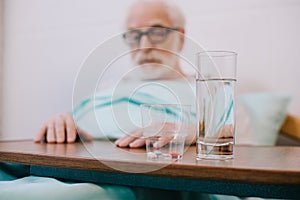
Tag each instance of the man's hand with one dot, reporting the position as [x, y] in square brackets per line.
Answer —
[60, 129]
[132, 140]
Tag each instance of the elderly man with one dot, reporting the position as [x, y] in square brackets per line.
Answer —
[155, 34]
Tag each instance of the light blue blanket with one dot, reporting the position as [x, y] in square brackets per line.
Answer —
[115, 112]
[32, 187]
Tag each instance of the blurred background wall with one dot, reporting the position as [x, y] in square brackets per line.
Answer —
[1, 59]
[46, 41]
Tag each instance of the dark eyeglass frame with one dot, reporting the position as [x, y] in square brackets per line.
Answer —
[148, 32]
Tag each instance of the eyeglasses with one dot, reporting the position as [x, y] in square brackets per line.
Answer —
[155, 35]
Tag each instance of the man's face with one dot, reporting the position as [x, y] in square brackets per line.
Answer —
[157, 59]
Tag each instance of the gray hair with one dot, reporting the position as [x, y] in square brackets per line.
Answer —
[174, 11]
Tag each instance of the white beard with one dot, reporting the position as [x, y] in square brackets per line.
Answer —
[152, 71]
[154, 64]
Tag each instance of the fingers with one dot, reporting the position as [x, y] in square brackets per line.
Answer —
[162, 141]
[50, 136]
[137, 143]
[132, 140]
[70, 129]
[59, 129]
[124, 141]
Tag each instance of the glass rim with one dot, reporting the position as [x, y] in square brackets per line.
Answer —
[217, 53]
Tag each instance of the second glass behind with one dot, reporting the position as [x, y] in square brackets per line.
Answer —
[165, 127]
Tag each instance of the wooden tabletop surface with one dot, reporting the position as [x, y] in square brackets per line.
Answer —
[260, 165]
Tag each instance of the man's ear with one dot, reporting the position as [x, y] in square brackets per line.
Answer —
[182, 38]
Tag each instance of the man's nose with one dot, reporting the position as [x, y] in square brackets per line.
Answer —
[145, 43]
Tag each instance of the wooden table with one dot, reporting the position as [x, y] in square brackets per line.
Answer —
[255, 171]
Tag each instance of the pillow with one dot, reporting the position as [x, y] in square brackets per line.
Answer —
[259, 117]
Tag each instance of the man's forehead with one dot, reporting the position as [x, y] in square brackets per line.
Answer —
[146, 26]
[147, 16]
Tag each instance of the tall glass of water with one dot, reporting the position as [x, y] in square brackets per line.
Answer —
[216, 80]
